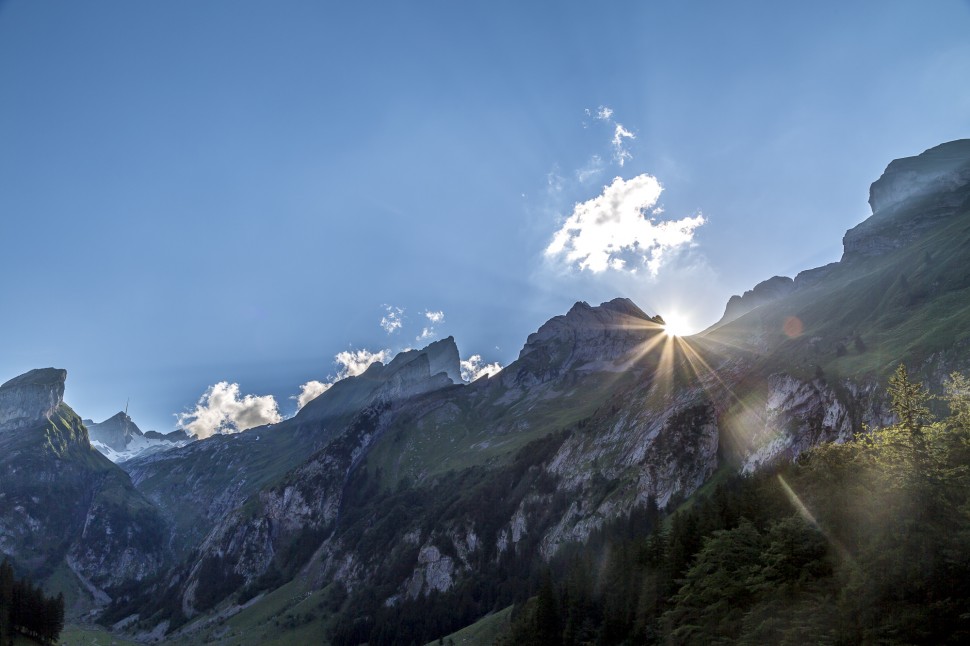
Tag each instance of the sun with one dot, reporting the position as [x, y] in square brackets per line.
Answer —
[676, 325]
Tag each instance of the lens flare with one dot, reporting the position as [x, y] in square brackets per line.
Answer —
[676, 325]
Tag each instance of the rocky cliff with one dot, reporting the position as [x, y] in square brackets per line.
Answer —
[31, 398]
[63, 506]
[910, 198]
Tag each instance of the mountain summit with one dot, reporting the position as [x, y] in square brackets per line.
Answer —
[31, 398]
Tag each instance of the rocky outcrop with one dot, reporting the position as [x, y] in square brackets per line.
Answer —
[409, 374]
[61, 502]
[937, 173]
[31, 398]
[912, 195]
[585, 339]
[434, 572]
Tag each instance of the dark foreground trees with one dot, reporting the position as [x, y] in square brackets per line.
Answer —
[864, 542]
[25, 609]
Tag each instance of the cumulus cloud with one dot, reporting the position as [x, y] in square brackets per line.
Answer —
[351, 363]
[310, 391]
[222, 409]
[474, 367]
[435, 317]
[613, 231]
[355, 362]
[392, 319]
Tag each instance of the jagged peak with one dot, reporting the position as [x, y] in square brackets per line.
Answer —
[617, 316]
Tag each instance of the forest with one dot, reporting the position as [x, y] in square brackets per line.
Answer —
[26, 610]
[864, 542]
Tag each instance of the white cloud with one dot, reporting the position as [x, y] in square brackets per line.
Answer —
[222, 409]
[392, 319]
[611, 231]
[554, 181]
[593, 168]
[620, 154]
[351, 363]
[434, 318]
[474, 367]
[310, 391]
[603, 113]
[355, 362]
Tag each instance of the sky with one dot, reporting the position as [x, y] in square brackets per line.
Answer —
[209, 209]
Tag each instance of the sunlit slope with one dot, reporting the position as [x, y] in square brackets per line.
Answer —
[868, 313]
[563, 378]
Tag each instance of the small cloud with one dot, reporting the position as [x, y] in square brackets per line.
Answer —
[351, 363]
[392, 319]
[222, 409]
[611, 231]
[554, 181]
[434, 318]
[310, 391]
[355, 362]
[603, 113]
[620, 154]
[474, 367]
[592, 169]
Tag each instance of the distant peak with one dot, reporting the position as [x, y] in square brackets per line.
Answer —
[442, 356]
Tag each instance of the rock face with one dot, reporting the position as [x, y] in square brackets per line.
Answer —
[585, 339]
[910, 198]
[408, 374]
[937, 173]
[61, 502]
[31, 398]
[244, 545]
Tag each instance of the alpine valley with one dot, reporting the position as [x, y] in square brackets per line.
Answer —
[404, 505]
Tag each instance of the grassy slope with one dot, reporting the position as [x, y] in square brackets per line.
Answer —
[484, 631]
[485, 432]
[905, 305]
[291, 614]
[78, 635]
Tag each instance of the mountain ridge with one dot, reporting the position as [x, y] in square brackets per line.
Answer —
[402, 486]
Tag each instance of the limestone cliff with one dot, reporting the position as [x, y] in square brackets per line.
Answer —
[31, 398]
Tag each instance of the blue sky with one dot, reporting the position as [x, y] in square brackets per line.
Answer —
[204, 192]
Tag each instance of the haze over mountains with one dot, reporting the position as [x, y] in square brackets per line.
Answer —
[404, 488]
